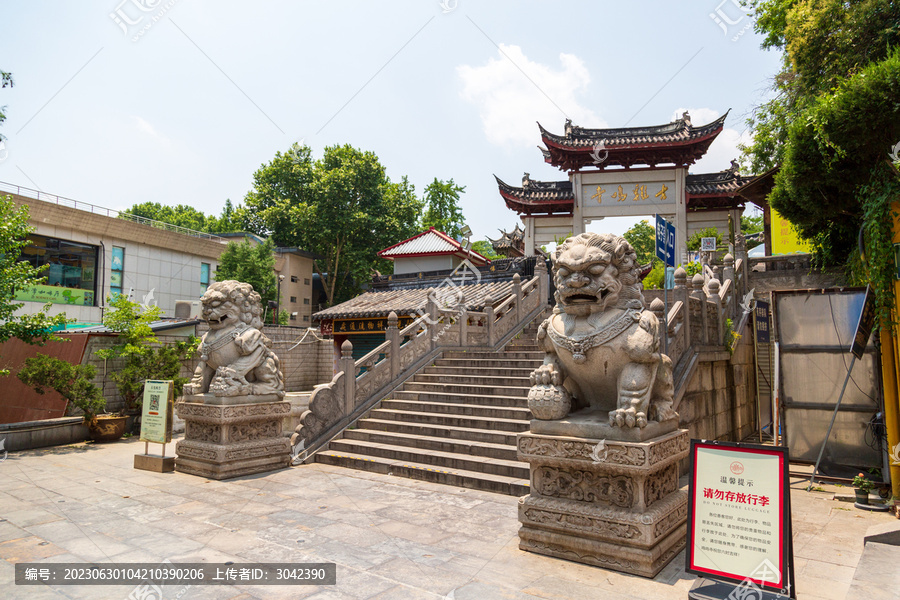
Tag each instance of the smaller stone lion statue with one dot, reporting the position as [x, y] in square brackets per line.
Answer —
[235, 357]
[602, 346]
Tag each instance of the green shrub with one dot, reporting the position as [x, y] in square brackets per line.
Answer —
[72, 382]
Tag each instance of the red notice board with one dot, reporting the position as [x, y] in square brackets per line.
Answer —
[739, 515]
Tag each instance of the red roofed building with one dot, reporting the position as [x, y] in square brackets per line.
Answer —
[431, 250]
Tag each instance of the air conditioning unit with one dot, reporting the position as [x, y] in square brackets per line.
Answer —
[188, 309]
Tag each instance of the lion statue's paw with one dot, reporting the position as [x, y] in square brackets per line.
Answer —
[627, 417]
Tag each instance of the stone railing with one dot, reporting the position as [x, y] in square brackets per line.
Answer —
[702, 305]
[361, 384]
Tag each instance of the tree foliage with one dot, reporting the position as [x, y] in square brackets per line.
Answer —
[694, 241]
[832, 124]
[189, 217]
[72, 382]
[143, 356]
[442, 210]
[250, 263]
[486, 249]
[342, 207]
[642, 237]
[15, 275]
[6, 80]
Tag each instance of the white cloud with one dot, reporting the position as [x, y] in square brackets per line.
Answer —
[510, 102]
[725, 147]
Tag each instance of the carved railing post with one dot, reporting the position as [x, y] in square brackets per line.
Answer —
[489, 319]
[728, 275]
[700, 296]
[393, 336]
[713, 287]
[431, 324]
[658, 308]
[517, 290]
[462, 318]
[348, 366]
[540, 270]
[682, 293]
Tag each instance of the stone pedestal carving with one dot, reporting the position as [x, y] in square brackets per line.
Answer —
[240, 438]
[610, 499]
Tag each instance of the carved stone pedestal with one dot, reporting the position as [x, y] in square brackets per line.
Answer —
[605, 502]
[223, 441]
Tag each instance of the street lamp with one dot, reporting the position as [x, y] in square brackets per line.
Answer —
[278, 301]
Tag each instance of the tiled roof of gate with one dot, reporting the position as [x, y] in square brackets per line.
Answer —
[408, 301]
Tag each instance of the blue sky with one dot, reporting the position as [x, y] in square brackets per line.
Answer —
[180, 101]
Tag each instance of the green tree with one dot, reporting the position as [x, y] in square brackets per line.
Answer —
[342, 207]
[15, 275]
[642, 237]
[751, 224]
[143, 356]
[189, 217]
[486, 249]
[72, 382]
[6, 80]
[442, 209]
[250, 263]
[831, 125]
[693, 242]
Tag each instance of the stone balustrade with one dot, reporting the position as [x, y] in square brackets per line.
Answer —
[361, 384]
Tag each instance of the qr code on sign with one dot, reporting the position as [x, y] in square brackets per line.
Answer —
[154, 402]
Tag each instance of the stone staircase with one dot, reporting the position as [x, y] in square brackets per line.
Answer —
[455, 422]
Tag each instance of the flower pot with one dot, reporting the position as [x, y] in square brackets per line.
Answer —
[107, 428]
[862, 496]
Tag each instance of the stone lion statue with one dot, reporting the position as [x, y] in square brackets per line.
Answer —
[235, 357]
[602, 346]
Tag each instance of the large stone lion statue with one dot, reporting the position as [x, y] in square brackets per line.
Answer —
[602, 346]
[235, 357]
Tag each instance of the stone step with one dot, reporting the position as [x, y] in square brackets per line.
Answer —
[487, 379]
[438, 396]
[481, 354]
[497, 362]
[451, 420]
[472, 389]
[460, 409]
[434, 458]
[503, 450]
[524, 372]
[449, 432]
[467, 479]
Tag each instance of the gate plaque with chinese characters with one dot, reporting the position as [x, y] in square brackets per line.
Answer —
[739, 520]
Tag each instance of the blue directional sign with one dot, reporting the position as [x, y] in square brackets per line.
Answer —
[665, 241]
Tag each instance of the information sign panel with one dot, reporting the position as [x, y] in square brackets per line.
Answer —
[708, 244]
[665, 241]
[739, 527]
[158, 409]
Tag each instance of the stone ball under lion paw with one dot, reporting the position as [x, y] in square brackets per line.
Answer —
[627, 417]
[549, 402]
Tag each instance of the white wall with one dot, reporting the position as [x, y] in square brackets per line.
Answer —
[424, 263]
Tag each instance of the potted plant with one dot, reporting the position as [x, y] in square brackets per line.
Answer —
[863, 486]
[74, 383]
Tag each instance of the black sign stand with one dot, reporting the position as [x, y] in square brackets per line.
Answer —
[707, 587]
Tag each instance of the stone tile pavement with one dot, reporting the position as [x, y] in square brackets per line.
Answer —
[390, 537]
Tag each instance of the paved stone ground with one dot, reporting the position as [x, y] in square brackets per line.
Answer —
[390, 537]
